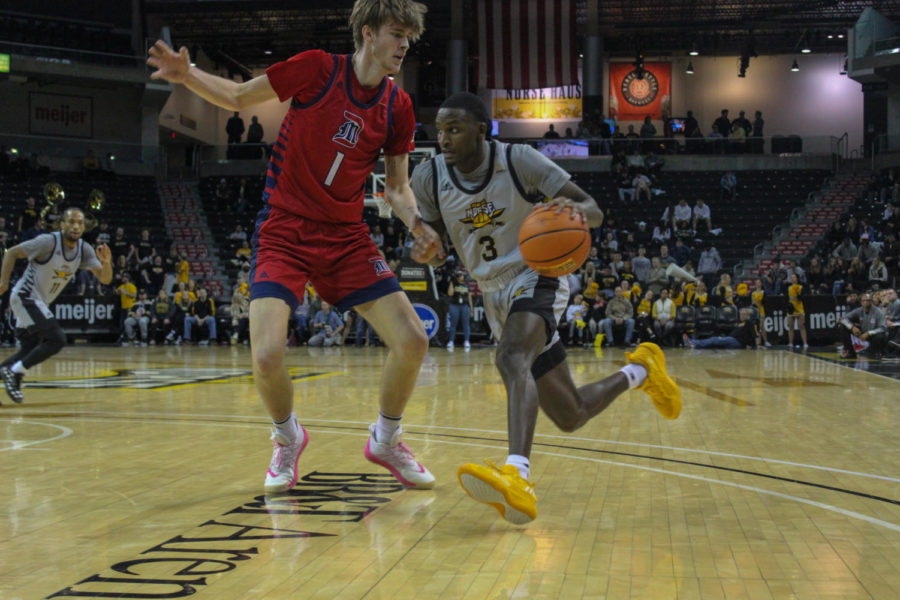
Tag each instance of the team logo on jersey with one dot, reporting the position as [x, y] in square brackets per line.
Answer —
[482, 213]
[348, 133]
[61, 273]
[523, 291]
[381, 267]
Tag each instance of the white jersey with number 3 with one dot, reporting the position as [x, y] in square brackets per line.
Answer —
[483, 210]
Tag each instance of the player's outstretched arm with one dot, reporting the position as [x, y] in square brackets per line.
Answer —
[176, 67]
[400, 196]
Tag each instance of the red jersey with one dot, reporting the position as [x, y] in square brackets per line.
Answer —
[331, 136]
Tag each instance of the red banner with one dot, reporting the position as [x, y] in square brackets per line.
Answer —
[633, 95]
[525, 45]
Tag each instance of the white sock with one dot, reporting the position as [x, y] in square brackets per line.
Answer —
[521, 463]
[385, 427]
[289, 428]
[18, 368]
[635, 373]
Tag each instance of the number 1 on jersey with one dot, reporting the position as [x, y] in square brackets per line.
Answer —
[338, 159]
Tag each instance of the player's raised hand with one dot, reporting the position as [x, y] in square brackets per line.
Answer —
[103, 253]
[170, 65]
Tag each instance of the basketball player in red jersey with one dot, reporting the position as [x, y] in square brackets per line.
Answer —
[344, 110]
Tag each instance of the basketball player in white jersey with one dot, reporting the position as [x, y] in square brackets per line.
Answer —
[53, 258]
[478, 192]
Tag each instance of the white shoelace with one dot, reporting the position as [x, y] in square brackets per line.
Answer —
[402, 453]
[282, 458]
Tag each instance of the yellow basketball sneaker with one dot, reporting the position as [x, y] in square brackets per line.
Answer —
[659, 386]
[504, 489]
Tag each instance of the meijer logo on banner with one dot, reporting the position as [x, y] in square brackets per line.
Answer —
[56, 114]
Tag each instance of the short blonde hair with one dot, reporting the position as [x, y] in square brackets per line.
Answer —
[376, 13]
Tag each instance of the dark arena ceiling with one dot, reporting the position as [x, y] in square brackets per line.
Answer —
[257, 33]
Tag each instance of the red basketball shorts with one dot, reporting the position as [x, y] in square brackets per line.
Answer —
[338, 259]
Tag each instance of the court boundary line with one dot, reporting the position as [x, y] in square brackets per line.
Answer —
[265, 421]
[66, 432]
[822, 505]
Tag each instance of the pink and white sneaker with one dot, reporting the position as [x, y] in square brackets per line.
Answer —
[282, 473]
[399, 460]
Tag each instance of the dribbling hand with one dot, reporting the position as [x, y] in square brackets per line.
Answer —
[587, 210]
[561, 203]
[170, 65]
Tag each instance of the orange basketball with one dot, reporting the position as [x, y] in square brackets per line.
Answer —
[554, 244]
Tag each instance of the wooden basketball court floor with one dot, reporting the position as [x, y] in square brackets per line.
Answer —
[137, 473]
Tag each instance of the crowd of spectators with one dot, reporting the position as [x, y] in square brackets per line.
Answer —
[858, 253]
[737, 136]
[629, 289]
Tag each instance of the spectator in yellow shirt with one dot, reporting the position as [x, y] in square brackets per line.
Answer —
[796, 312]
[182, 272]
[127, 293]
[756, 299]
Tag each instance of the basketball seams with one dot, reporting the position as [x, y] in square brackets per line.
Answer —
[537, 235]
[585, 238]
[563, 251]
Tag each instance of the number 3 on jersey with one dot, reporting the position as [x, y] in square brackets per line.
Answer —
[490, 250]
[338, 159]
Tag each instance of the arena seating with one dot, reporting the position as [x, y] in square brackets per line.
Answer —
[222, 219]
[58, 38]
[131, 201]
[765, 199]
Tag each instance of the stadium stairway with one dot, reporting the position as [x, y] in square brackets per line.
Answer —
[806, 227]
[186, 224]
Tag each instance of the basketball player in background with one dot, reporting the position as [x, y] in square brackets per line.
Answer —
[53, 259]
[796, 312]
[344, 110]
[504, 182]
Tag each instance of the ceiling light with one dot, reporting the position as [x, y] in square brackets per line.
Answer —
[690, 68]
[805, 51]
[840, 36]
[795, 67]
[267, 52]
